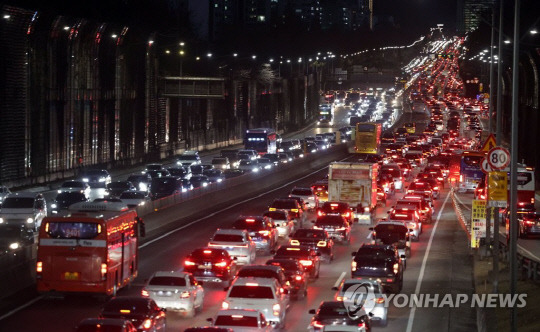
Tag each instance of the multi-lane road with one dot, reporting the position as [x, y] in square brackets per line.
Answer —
[439, 264]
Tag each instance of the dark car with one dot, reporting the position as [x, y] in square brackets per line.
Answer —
[378, 261]
[336, 209]
[65, 199]
[199, 180]
[165, 186]
[14, 237]
[336, 226]
[232, 173]
[105, 325]
[115, 188]
[290, 205]
[214, 175]
[154, 174]
[142, 312]
[212, 265]
[317, 239]
[180, 172]
[306, 256]
[334, 313]
[208, 329]
[261, 230]
[528, 224]
[294, 274]
[140, 181]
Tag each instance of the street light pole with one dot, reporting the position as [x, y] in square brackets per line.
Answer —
[490, 106]
[513, 166]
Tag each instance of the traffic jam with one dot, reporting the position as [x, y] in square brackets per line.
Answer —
[363, 217]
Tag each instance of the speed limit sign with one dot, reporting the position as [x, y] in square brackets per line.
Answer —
[498, 158]
[486, 168]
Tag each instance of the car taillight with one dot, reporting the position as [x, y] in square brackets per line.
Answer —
[298, 278]
[435, 188]
[361, 325]
[346, 215]
[306, 262]
[530, 222]
[225, 305]
[144, 293]
[379, 300]
[320, 213]
[461, 178]
[339, 298]
[318, 324]
[276, 308]
[353, 265]
[321, 244]
[103, 271]
[184, 295]
[39, 267]
[264, 233]
[317, 227]
[396, 268]
[189, 263]
[366, 209]
[340, 229]
[221, 264]
[147, 323]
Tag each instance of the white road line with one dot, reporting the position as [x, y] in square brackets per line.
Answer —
[21, 307]
[229, 207]
[423, 268]
[338, 281]
[461, 202]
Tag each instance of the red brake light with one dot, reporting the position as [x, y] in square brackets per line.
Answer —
[298, 278]
[144, 293]
[189, 263]
[221, 264]
[250, 220]
[306, 262]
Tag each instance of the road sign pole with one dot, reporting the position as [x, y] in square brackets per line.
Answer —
[513, 166]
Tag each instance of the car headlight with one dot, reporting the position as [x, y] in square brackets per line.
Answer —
[205, 184]
[255, 170]
[59, 191]
[219, 180]
[86, 180]
[14, 246]
[1, 220]
[102, 179]
[54, 206]
[30, 220]
[143, 186]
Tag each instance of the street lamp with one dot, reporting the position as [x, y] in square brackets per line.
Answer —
[533, 32]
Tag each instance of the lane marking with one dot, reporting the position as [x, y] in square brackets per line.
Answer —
[461, 202]
[21, 307]
[423, 268]
[231, 206]
[338, 281]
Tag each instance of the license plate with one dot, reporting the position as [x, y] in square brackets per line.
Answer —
[71, 275]
[205, 267]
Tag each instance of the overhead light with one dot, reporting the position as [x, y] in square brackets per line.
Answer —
[182, 43]
[507, 42]
[66, 28]
[114, 35]
[533, 32]
[7, 17]
[235, 55]
[209, 55]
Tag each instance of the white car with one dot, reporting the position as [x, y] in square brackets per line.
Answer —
[310, 198]
[23, 208]
[242, 320]
[74, 186]
[265, 163]
[237, 243]
[175, 291]
[4, 191]
[96, 178]
[262, 294]
[284, 223]
[134, 198]
[249, 166]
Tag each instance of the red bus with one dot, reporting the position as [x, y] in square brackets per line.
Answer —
[88, 252]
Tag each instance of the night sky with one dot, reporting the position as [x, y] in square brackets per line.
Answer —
[418, 14]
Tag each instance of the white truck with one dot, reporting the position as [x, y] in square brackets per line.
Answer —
[355, 184]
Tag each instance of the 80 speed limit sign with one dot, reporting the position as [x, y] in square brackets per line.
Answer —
[498, 158]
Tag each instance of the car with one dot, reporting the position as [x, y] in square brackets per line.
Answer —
[420, 205]
[334, 314]
[175, 290]
[237, 320]
[180, 172]
[331, 208]
[165, 186]
[295, 275]
[237, 242]
[409, 216]
[320, 188]
[154, 167]
[308, 257]
[283, 221]
[317, 239]
[372, 296]
[273, 157]
[249, 166]
[65, 199]
[291, 205]
[221, 163]
[211, 265]
[155, 174]
[415, 158]
[134, 198]
[115, 188]
[188, 158]
[336, 226]
[528, 224]
[95, 178]
[381, 196]
[432, 181]
[392, 233]
[143, 312]
[265, 163]
[214, 175]
[306, 193]
[105, 324]
[379, 262]
[232, 173]
[260, 229]
[252, 153]
[199, 180]
[265, 271]
[262, 294]
[393, 171]
[197, 169]
[23, 208]
[186, 185]
[15, 237]
[420, 186]
[74, 186]
[4, 191]
[140, 181]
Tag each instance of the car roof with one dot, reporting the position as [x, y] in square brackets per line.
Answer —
[264, 282]
[178, 274]
[24, 194]
[230, 231]
[261, 267]
[243, 312]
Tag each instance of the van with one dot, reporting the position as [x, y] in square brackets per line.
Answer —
[24, 209]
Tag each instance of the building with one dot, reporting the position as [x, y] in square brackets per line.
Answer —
[471, 12]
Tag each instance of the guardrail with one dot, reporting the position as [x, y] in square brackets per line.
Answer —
[529, 267]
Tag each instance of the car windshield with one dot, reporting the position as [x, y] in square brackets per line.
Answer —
[330, 221]
[389, 234]
[293, 252]
[394, 172]
[301, 192]
[71, 197]
[100, 327]
[118, 185]
[95, 173]
[369, 287]
[245, 163]
[250, 224]
[289, 265]
[18, 203]
[206, 253]
[130, 306]
[256, 273]
[188, 157]
[167, 281]
[236, 320]
[284, 204]
[276, 215]
[72, 184]
[251, 292]
[73, 230]
[137, 178]
[228, 238]
[332, 311]
[374, 253]
[131, 195]
[217, 161]
[308, 233]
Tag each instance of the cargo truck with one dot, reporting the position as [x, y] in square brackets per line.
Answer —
[355, 184]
